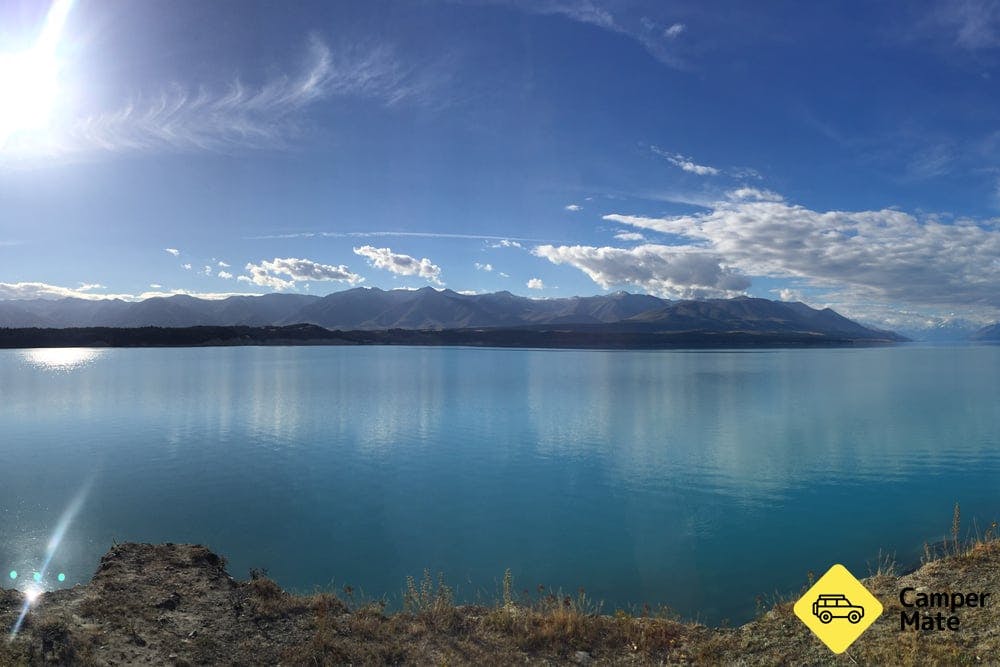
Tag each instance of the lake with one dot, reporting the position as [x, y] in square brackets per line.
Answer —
[699, 480]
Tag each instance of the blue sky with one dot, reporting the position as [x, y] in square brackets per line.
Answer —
[842, 154]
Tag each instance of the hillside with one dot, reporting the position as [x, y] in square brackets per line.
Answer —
[987, 334]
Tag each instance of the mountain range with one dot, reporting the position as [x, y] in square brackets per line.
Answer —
[373, 309]
[989, 333]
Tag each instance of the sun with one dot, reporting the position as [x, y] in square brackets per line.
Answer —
[29, 80]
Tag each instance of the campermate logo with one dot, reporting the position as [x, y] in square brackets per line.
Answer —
[838, 609]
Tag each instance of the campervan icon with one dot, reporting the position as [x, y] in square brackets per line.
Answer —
[828, 607]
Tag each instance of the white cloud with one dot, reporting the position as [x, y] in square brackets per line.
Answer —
[674, 31]
[685, 163]
[504, 275]
[573, 207]
[507, 243]
[379, 234]
[535, 283]
[403, 265]
[883, 256]
[155, 286]
[669, 271]
[269, 273]
[86, 287]
[223, 264]
[38, 290]
[212, 296]
[173, 251]
[653, 37]
[484, 267]
[207, 270]
[974, 24]
[630, 236]
[753, 194]
[225, 275]
[186, 267]
[786, 294]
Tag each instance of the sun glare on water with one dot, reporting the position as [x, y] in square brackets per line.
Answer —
[60, 358]
[29, 80]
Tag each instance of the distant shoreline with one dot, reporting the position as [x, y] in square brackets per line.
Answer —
[554, 337]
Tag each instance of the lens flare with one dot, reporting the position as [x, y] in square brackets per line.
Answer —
[32, 593]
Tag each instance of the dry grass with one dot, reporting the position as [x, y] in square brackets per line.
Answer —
[256, 621]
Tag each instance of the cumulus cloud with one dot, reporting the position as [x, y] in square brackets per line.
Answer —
[535, 283]
[225, 275]
[885, 256]
[786, 294]
[484, 267]
[685, 163]
[223, 265]
[573, 207]
[268, 273]
[173, 251]
[403, 265]
[155, 286]
[186, 266]
[668, 271]
[630, 236]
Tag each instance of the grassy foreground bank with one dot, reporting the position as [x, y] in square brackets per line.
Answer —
[176, 605]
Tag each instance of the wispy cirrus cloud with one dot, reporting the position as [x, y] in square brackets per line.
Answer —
[400, 264]
[282, 273]
[971, 24]
[658, 39]
[377, 234]
[183, 118]
[685, 163]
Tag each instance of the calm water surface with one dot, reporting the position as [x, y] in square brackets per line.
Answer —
[696, 479]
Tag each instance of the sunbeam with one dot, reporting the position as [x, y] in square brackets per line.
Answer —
[34, 592]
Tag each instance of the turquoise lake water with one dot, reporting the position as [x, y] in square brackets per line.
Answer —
[694, 479]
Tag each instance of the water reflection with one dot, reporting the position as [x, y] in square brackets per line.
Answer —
[61, 359]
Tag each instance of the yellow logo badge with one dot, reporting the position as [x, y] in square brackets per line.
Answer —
[838, 609]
